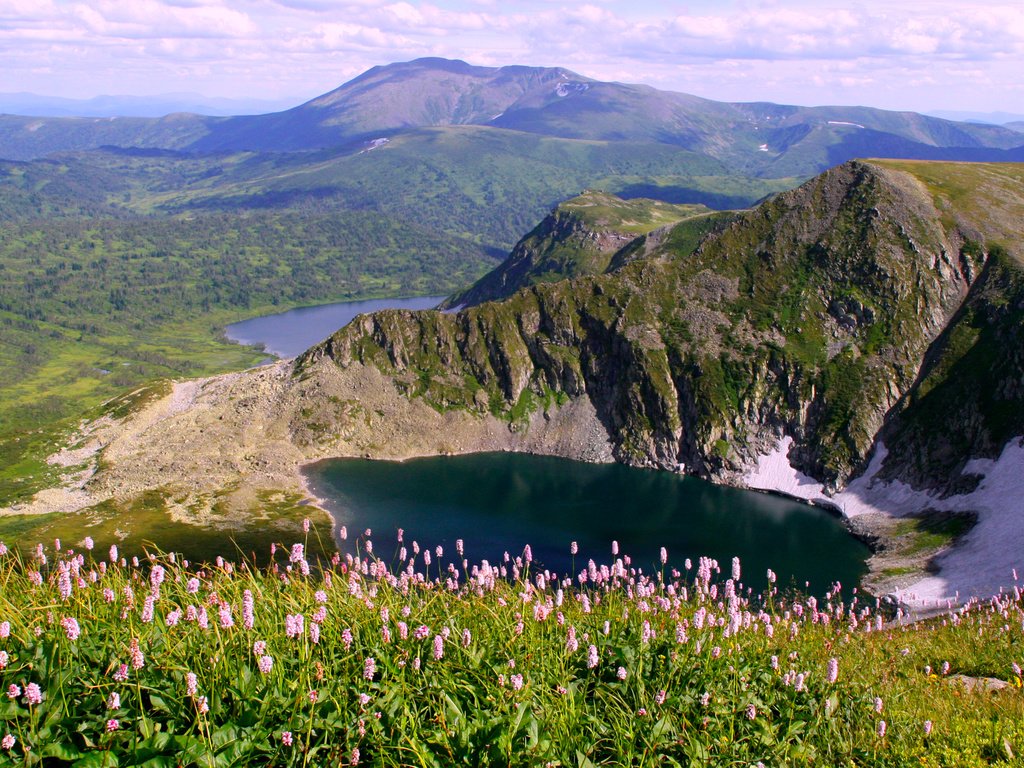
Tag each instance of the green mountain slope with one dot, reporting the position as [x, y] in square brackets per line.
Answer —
[810, 316]
[586, 235]
[753, 139]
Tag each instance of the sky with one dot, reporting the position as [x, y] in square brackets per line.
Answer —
[921, 55]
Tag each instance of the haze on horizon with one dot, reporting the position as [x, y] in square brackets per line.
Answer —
[920, 55]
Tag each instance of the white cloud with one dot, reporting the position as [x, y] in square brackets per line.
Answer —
[805, 51]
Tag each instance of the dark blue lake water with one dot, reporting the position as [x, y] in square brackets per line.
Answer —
[286, 334]
[499, 502]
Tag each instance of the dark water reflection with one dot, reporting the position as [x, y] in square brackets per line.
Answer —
[498, 502]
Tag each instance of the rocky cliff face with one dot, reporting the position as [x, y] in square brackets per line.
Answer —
[811, 316]
[587, 235]
[857, 342]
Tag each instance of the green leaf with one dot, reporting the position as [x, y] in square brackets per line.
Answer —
[97, 760]
[61, 751]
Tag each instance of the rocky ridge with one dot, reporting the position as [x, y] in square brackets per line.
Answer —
[850, 312]
[590, 234]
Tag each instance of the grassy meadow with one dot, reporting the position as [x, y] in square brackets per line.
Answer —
[401, 653]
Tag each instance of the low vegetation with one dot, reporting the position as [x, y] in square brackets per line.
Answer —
[406, 654]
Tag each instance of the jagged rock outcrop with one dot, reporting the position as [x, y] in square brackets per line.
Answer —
[593, 233]
[809, 316]
[858, 341]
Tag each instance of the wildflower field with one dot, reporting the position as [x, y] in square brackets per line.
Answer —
[424, 658]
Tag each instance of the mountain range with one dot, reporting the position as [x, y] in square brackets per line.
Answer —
[856, 342]
[854, 338]
[758, 139]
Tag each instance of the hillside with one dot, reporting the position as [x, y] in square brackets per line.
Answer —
[752, 139]
[798, 347]
[587, 235]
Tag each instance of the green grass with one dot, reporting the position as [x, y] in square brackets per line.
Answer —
[205, 527]
[932, 533]
[417, 665]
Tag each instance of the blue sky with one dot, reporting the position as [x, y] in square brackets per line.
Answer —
[905, 54]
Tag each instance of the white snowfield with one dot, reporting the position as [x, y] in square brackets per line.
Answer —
[844, 122]
[981, 564]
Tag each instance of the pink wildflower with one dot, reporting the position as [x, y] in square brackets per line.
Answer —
[832, 670]
[13, 691]
[621, 673]
[927, 727]
[364, 699]
[438, 647]
[248, 606]
[113, 725]
[33, 694]
[751, 712]
[5, 630]
[8, 742]
[4, 660]
[592, 656]
[880, 729]
[878, 704]
[286, 738]
[517, 682]
[147, 610]
[265, 664]
[114, 700]
[191, 683]
[138, 657]
[314, 633]
[121, 673]
[571, 643]
[369, 668]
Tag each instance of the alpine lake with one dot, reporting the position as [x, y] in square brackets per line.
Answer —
[497, 503]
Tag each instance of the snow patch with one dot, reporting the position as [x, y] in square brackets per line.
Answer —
[374, 144]
[567, 89]
[774, 473]
[844, 122]
[763, 147]
[981, 564]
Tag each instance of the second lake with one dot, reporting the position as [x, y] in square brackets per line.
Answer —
[286, 334]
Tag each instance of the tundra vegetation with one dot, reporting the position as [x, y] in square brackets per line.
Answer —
[404, 653]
